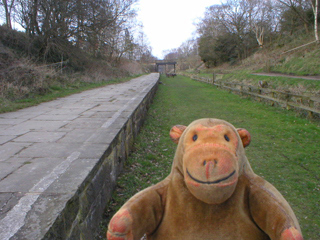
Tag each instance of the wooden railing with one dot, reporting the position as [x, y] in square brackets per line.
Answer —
[307, 105]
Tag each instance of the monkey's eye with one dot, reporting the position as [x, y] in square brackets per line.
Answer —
[195, 137]
[226, 138]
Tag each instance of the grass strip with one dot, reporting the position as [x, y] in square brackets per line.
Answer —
[284, 148]
[274, 82]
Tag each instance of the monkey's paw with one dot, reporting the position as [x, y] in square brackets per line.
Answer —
[291, 234]
[120, 226]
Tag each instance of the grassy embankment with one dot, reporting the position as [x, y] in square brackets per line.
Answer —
[284, 148]
[294, 85]
[280, 56]
[282, 83]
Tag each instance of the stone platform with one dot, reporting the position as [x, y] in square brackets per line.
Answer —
[59, 160]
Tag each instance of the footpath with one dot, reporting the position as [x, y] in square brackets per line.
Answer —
[317, 78]
[59, 160]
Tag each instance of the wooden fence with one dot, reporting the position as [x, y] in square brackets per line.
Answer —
[58, 65]
[307, 105]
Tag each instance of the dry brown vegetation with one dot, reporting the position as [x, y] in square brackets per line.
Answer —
[23, 75]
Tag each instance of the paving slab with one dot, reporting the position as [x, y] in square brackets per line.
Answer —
[59, 160]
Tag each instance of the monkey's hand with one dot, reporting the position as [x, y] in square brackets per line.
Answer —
[120, 227]
[291, 234]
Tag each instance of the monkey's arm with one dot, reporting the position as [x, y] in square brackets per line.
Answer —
[271, 211]
[139, 215]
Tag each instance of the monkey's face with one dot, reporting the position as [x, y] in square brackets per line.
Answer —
[210, 162]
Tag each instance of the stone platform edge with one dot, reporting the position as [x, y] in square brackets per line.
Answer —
[82, 214]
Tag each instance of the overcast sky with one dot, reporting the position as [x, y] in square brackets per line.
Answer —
[168, 23]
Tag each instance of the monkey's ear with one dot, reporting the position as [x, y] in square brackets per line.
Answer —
[245, 136]
[176, 132]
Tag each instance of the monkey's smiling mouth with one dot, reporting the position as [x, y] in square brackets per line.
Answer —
[212, 182]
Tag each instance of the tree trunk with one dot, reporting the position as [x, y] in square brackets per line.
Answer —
[315, 13]
[306, 27]
[316, 20]
[33, 21]
[7, 12]
[259, 35]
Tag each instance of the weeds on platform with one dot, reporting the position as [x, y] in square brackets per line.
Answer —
[284, 148]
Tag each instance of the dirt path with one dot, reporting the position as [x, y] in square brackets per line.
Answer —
[317, 78]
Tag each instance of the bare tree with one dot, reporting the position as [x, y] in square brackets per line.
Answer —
[231, 31]
[27, 16]
[315, 8]
[259, 31]
[142, 50]
[102, 28]
[94, 25]
[261, 18]
[298, 8]
[8, 7]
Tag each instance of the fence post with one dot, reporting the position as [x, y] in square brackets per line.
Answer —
[61, 65]
[311, 103]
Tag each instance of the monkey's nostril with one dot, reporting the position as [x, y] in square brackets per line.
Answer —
[204, 163]
[215, 162]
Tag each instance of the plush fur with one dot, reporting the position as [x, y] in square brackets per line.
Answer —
[211, 193]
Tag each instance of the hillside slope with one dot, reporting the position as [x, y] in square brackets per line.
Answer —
[297, 55]
[27, 72]
[282, 56]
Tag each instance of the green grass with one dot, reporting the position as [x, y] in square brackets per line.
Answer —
[274, 82]
[55, 91]
[305, 63]
[284, 148]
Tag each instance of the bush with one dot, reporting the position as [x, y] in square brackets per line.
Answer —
[15, 40]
